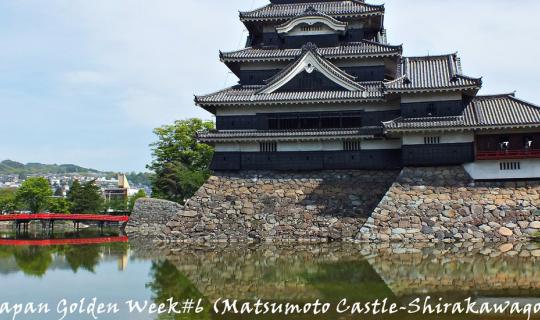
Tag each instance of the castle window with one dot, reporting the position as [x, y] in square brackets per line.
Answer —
[504, 143]
[311, 28]
[310, 123]
[273, 123]
[352, 145]
[268, 147]
[510, 166]
[431, 109]
[330, 122]
[528, 142]
[432, 140]
[352, 122]
[289, 123]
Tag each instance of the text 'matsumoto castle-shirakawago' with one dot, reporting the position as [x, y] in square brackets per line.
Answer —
[320, 88]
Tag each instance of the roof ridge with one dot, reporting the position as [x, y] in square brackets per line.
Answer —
[437, 56]
[377, 43]
[469, 77]
[495, 95]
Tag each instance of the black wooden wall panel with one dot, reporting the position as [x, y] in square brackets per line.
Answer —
[302, 161]
[322, 40]
[256, 77]
[367, 73]
[432, 109]
[438, 154]
[375, 118]
[314, 81]
[226, 161]
[260, 121]
[363, 73]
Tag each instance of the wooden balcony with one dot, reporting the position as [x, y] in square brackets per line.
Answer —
[509, 154]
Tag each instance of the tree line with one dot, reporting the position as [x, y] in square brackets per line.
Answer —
[35, 195]
[180, 166]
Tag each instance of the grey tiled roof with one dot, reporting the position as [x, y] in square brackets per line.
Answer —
[501, 110]
[247, 94]
[432, 73]
[425, 123]
[482, 112]
[288, 134]
[364, 48]
[335, 9]
[328, 66]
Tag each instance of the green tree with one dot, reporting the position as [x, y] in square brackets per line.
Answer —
[117, 203]
[59, 192]
[176, 183]
[140, 194]
[58, 205]
[180, 162]
[34, 194]
[7, 200]
[85, 198]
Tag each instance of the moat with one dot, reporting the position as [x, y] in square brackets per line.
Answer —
[141, 271]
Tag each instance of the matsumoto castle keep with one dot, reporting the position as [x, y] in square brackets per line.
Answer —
[320, 88]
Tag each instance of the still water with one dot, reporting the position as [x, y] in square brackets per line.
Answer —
[141, 271]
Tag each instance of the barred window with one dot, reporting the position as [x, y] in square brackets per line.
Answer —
[432, 140]
[311, 28]
[352, 145]
[268, 147]
[510, 166]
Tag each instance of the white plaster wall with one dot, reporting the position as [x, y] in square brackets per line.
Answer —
[237, 147]
[381, 144]
[430, 97]
[334, 145]
[252, 110]
[488, 170]
[446, 137]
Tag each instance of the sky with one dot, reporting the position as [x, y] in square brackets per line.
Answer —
[85, 82]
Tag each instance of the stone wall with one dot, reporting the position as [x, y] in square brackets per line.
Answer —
[149, 217]
[268, 206]
[444, 204]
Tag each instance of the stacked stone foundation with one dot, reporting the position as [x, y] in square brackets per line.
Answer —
[443, 204]
[273, 206]
[440, 204]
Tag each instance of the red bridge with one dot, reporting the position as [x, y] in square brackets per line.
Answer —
[23, 220]
[62, 217]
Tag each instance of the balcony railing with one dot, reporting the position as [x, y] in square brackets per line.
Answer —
[509, 154]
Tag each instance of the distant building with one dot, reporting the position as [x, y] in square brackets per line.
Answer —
[120, 192]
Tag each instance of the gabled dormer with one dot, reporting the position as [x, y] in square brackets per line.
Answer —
[311, 26]
[311, 72]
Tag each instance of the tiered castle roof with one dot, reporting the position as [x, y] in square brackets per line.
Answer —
[410, 75]
[335, 9]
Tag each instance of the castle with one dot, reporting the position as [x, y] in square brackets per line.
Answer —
[321, 89]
